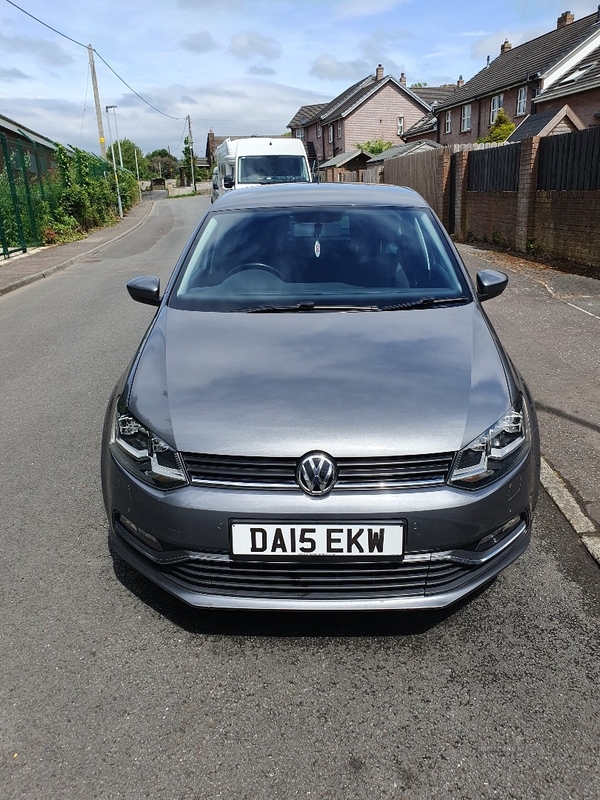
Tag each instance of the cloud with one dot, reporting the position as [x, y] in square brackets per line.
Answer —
[365, 8]
[199, 42]
[249, 44]
[12, 75]
[490, 45]
[329, 68]
[47, 53]
[213, 5]
[258, 70]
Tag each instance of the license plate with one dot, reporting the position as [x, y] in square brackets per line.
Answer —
[299, 539]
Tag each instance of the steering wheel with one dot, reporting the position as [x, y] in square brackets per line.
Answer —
[252, 265]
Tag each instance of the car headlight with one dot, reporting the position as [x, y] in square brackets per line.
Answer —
[144, 454]
[491, 455]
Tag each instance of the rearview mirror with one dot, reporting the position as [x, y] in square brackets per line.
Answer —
[145, 289]
[228, 182]
[490, 283]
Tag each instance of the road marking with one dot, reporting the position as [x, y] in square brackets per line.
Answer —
[593, 545]
[558, 491]
[579, 309]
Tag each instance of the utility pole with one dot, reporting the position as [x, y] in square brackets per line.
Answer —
[192, 152]
[97, 102]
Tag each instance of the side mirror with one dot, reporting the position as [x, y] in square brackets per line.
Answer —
[145, 289]
[490, 283]
[228, 182]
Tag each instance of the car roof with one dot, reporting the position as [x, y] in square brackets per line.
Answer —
[320, 194]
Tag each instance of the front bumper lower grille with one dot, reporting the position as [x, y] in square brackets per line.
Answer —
[419, 580]
[316, 580]
[362, 474]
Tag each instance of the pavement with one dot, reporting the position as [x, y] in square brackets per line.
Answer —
[36, 264]
[22, 269]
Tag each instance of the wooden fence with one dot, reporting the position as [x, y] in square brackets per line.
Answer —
[570, 162]
[494, 170]
[420, 171]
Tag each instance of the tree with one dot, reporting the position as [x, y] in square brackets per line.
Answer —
[162, 164]
[500, 129]
[418, 85]
[375, 147]
[129, 151]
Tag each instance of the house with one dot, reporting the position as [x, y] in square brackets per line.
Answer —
[536, 75]
[579, 87]
[547, 123]
[354, 161]
[376, 107]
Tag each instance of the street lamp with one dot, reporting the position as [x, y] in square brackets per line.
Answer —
[112, 150]
[114, 108]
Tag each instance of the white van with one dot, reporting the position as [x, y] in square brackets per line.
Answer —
[242, 163]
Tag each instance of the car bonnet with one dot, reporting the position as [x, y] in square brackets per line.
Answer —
[350, 383]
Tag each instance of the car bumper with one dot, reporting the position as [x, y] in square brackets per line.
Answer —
[443, 558]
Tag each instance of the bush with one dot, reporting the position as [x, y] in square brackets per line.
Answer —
[72, 200]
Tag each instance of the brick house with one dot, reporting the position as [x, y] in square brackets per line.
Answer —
[376, 107]
[526, 78]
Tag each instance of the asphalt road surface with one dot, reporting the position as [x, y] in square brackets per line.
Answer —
[112, 689]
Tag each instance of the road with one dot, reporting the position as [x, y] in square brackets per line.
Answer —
[112, 689]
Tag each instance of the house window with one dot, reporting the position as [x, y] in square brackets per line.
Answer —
[497, 102]
[522, 101]
[330, 134]
[400, 126]
[318, 131]
[448, 126]
[299, 133]
[581, 70]
[465, 119]
[339, 130]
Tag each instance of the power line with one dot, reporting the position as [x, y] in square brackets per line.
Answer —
[64, 35]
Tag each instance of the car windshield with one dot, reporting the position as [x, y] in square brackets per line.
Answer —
[272, 169]
[314, 258]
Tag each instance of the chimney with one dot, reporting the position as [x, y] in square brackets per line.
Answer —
[379, 73]
[565, 19]
[505, 47]
[403, 79]
[460, 82]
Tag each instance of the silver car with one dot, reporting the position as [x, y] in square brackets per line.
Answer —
[320, 416]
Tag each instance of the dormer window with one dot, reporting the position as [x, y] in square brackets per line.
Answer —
[579, 72]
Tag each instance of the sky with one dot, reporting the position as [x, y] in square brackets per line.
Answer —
[238, 67]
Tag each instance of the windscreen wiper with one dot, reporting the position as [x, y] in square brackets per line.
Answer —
[307, 305]
[425, 302]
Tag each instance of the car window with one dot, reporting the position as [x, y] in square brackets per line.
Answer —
[359, 256]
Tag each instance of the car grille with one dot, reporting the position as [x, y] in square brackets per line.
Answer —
[362, 474]
[222, 575]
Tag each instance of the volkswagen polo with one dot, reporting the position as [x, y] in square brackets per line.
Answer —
[320, 415]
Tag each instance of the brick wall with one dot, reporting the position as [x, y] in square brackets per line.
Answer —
[480, 118]
[378, 118]
[490, 216]
[566, 225]
[584, 104]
